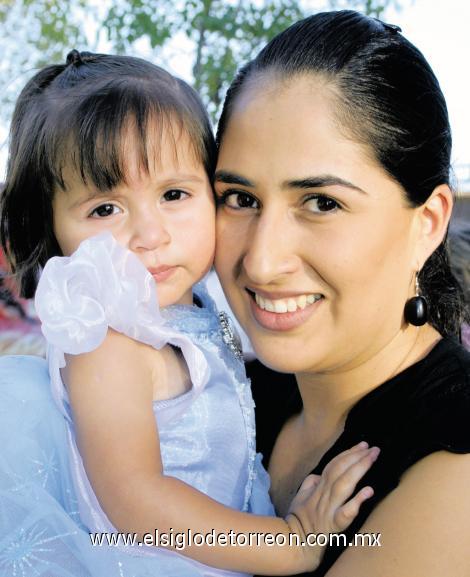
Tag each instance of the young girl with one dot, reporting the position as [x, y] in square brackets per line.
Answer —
[109, 166]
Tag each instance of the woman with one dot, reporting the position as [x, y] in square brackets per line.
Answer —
[333, 185]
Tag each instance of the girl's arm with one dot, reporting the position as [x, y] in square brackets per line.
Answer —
[110, 391]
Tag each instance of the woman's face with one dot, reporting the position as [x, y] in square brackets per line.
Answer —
[315, 242]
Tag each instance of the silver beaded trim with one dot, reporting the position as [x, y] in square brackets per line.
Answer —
[229, 335]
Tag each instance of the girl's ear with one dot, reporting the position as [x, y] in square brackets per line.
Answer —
[433, 221]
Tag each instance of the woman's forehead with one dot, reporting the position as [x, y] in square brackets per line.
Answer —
[273, 86]
[292, 135]
[295, 120]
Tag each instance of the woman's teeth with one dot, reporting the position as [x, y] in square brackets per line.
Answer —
[286, 305]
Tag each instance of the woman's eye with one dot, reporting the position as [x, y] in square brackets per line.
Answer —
[321, 203]
[105, 210]
[172, 195]
[238, 200]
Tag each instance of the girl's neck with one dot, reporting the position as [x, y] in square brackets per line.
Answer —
[329, 396]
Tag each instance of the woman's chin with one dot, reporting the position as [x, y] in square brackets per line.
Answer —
[282, 358]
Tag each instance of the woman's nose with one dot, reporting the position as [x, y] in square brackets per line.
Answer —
[270, 250]
[149, 231]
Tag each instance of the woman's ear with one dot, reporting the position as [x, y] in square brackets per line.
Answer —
[433, 221]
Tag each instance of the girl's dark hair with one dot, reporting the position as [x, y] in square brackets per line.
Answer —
[78, 115]
[388, 100]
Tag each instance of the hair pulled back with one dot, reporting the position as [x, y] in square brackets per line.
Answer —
[389, 100]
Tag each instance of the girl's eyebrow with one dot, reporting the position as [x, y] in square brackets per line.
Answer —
[92, 195]
[181, 178]
[321, 181]
[231, 178]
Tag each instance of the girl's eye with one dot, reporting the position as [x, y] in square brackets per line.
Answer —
[172, 195]
[105, 210]
[321, 203]
[238, 200]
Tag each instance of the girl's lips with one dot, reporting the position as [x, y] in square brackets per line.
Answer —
[161, 273]
[282, 321]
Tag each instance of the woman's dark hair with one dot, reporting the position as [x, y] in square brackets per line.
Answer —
[79, 115]
[389, 100]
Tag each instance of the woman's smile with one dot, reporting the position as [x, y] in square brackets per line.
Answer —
[285, 313]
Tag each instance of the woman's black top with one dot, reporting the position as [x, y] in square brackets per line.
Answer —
[425, 408]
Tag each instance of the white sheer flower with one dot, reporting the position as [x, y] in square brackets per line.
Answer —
[102, 284]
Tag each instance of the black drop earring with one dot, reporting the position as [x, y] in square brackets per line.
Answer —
[416, 308]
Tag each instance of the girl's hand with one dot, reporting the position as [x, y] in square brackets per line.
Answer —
[321, 504]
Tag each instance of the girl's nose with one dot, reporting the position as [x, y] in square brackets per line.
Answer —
[149, 232]
[270, 251]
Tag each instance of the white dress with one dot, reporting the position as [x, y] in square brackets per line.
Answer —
[207, 435]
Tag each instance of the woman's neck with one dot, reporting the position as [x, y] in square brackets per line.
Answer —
[329, 396]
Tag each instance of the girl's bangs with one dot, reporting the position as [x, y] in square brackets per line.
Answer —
[97, 137]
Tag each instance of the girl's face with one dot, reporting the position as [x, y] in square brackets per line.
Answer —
[315, 242]
[166, 217]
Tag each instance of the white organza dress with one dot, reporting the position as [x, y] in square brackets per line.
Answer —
[207, 435]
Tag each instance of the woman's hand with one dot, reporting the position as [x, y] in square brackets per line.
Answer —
[321, 504]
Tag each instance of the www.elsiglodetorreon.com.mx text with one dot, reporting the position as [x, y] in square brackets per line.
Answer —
[180, 540]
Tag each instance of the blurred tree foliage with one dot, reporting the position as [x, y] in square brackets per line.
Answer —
[374, 8]
[220, 34]
[224, 34]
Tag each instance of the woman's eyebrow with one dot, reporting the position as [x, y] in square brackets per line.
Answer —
[231, 178]
[321, 181]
